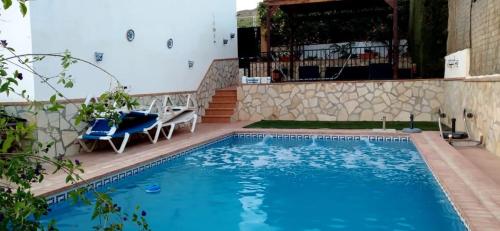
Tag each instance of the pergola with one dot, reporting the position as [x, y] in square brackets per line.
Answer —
[292, 7]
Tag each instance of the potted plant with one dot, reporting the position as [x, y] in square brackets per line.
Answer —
[276, 76]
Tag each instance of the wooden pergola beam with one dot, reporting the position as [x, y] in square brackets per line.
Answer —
[395, 38]
[268, 37]
[391, 3]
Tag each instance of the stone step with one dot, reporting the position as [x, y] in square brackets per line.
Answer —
[223, 99]
[220, 111]
[226, 93]
[221, 105]
[221, 108]
[216, 119]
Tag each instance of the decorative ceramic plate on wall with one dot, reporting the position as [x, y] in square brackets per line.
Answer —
[170, 43]
[130, 35]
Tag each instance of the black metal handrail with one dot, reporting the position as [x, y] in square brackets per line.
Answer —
[336, 63]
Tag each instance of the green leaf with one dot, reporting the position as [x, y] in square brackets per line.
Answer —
[68, 84]
[7, 4]
[78, 120]
[5, 87]
[12, 80]
[55, 107]
[69, 178]
[53, 99]
[7, 143]
[23, 8]
[74, 197]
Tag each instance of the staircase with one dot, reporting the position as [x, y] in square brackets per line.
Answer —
[221, 109]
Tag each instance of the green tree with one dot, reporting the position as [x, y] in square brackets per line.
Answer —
[24, 160]
[428, 35]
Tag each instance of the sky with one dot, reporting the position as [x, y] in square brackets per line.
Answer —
[246, 4]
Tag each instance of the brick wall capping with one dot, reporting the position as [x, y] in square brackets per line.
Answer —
[81, 100]
[351, 81]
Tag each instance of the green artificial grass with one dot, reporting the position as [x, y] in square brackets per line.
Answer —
[287, 124]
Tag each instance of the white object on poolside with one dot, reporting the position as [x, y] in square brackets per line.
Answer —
[255, 80]
[384, 130]
[173, 115]
[169, 110]
[457, 64]
[265, 80]
[184, 117]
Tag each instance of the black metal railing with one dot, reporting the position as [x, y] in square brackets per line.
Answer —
[336, 63]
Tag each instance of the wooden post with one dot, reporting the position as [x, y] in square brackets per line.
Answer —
[292, 48]
[268, 39]
[395, 40]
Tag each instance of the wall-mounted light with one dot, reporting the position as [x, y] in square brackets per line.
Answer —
[225, 41]
[98, 56]
[170, 43]
[232, 35]
[190, 64]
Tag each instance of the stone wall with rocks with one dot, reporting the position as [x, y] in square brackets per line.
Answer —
[221, 74]
[60, 127]
[341, 101]
[57, 127]
[481, 98]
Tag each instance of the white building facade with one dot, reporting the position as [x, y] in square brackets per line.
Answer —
[199, 32]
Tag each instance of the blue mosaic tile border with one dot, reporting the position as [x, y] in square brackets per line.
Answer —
[325, 137]
[63, 196]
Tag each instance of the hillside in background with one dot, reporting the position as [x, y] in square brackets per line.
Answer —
[248, 18]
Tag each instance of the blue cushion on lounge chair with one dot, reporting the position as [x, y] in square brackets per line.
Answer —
[133, 125]
[101, 128]
[138, 113]
[130, 124]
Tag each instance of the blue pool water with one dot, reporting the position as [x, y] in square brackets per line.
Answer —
[282, 184]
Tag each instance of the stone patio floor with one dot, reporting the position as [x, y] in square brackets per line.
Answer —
[469, 176]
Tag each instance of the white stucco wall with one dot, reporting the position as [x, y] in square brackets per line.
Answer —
[146, 64]
[16, 30]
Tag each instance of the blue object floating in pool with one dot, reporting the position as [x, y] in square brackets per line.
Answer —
[153, 188]
[412, 130]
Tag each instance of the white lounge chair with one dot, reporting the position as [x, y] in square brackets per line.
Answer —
[170, 110]
[173, 115]
[188, 116]
[143, 111]
[135, 111]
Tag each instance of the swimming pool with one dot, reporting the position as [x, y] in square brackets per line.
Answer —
[257, 182]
